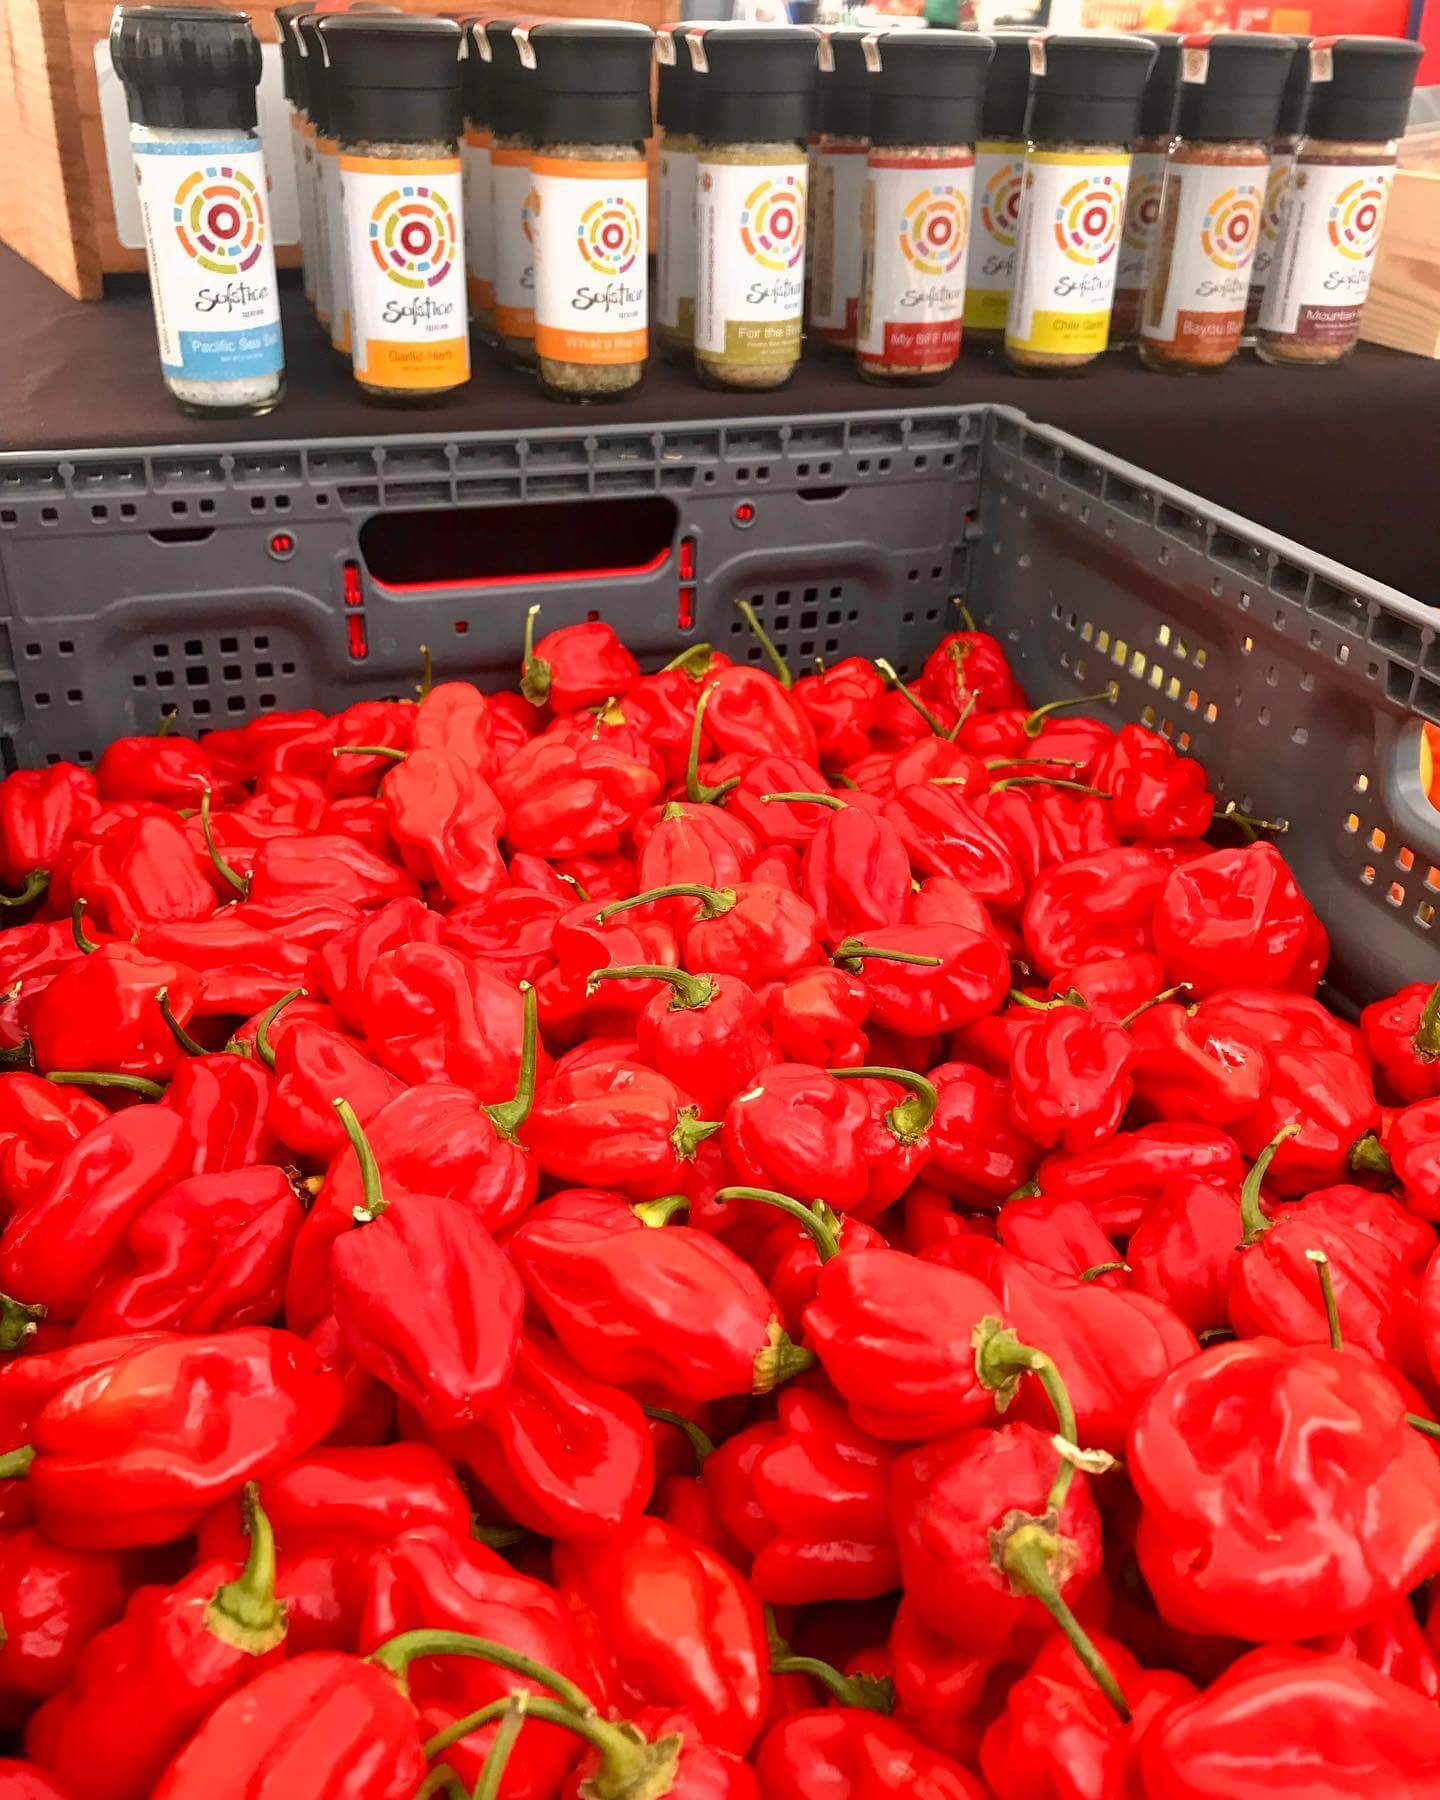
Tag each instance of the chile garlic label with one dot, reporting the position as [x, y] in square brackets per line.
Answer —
[1205, 243]
[207, 235]
[751, 260]
[403, 225]
[479, 225]
[1332, 218]
[1071, 218]
[995, 217]
[590, 237]
[917, 228]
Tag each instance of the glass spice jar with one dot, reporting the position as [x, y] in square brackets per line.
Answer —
[754, 89]
[396, 107]
[476, 183]
[332, 305]
[926, 100]
[291, 86]
[514, 117]
[675, 189]
[999, 176]
[1360, 91]
[1294, 104]
[1142, 191]
[837, 189]
[592, 192]
[1210, 205]
[1084, 107]
[190, 76]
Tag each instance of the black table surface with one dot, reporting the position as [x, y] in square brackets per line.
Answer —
[1342, 460]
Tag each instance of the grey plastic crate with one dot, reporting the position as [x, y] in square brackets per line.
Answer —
[224, 582]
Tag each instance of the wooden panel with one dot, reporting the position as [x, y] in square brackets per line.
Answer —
[1403, 310]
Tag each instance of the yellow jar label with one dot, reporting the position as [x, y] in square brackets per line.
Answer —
[1072, 213]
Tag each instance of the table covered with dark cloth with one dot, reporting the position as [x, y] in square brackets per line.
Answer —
[1342, 460]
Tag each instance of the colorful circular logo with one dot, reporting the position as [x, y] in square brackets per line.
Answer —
[1088, 217]
[609, 235]
[1275, 187]
[772, 222]
[934, 228]
[220, 219]
[1355, 215]
[1142, 211]
[1231, 226]
[413, 235]
[1000, 203]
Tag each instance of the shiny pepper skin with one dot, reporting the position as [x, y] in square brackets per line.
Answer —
[101, 1012]
[39, 1123]
[818, 1016]
[976, 1153]
[312, 1065]
[572, 799]
[1403, 1035]
[748, 712]
[705, 1031]
[1238, 916]
[618, 1125]
[944, 834]
[41, 810]
[853, 1755]
[577, 666]
[801, 1131]
[1155, 793]
[856, 873]
[1095, 907]
[53, 1602]
[1252, 1529]
[966, 977]
[1070, 1079]
[446, 824]
[142, 871]
[1412, 1142]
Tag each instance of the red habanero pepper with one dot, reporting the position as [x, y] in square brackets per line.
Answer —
[966, 663]
[756, 800]
[295, 800]
[584, 942]
[244, 956]
[1251, 1529]
[575, 666]
[56, 1253]
[746, 711]
[101, 1012]
[457, 718]
[445, 822]
[324, 1725]
[1155, 792]
[512, 723]
[940, 1686]
[312, 1065]
[673, 1752]
[851, 1754]
[1118, 1178]
[662, 706]
[41, 810]
[1403, 1035]
[1238, 915]
[340, 967]
[143, 871]
[1094, 907]
[1328, 1094]
[753, 929]
[167, 1428]
[1070, 1077]
[1191, 1065]
[1412, 1144]
[1181, 1250]
[670, 1310]
[924, 979]
[1395, 1645]
[223, 1101]
[856, 873]
[324, 867]
[53, 1601]
[669, 1623]
[818, 1016]
[448, 1362]
[144, 1685]
[1344, 1731]
[705, 1030]
[510, 936]
[388, 722]
[39, 1124]
[1115, 989]
[941, 900]
[563, 1453]
[24, 1781]
[611, 725]
[565, 799]
[171, 770]
[693, 844]
[803, 1131]
[430, 1015]
[840, 703]
[944, 834]
[1060, 1235]
[940, 760]
[1011, 731]
[620, 1125]
[789, 1259]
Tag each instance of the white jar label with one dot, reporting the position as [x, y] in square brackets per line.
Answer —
[514, 202]
[1072, 212]
[750, 284]
[404, 226]
[1200, 260]
[1271, 212]
[835, 243]
[320, 235]
[206, 213]
[479, 223]
[917, 230]
[1321, 275]
[1142, 214]
[675, 251]
[994, 218]
[591, 232]
[332, 203]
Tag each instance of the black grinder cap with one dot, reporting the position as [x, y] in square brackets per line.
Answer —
[290, 74]
[754, 84]
[1295, 101]
[1007, 85]
[1360, 87]
[514, 91]
[842, 87]
[1231, 83]
[312, 75]
[474, 74]
[594, 80]
[186, 66]
[1087, 88]
[1162, 86]
[392, 77]
[929, 88]
[674, 82]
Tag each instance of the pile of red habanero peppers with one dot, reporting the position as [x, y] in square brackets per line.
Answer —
[697, 1234]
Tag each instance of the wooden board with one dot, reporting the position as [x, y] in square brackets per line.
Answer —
[1403, 310]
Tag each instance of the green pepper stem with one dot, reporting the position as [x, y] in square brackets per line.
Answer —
[716, 900]
[535, 672]
[36, 883]
[168, 722]
[767, 644]
[397, 1654]
[1430, 1427]
[264, 1049]
[1106, 1268]
[441, 1780]
[1327, 1290]
[509, 1116]
[866, 1693]
[853, 950]
[910, 1119]
[245, 1612]
[1368, 1156]
[822, 1231]
[699, 1442]
[1426, 1040]
[229, 875]
[83, 943]
[629, 1764]
[695, 789]
[910, 697]
[1159, 999]
[134, 1084]
[689, 992]
[1252, 1218]
[1000, 1362]
[1070, 997]
[181, 1036]
[1027, 1553]
[831, 800]
[1035, 723]
[1028, 764]
[1054, 781]
[512, 1722]
[374, 1202]
[19, 1056]
[690, 1132]
[388, 751]
[17, 1322]
[1250, 826]
[16, 1463]
[694, 662]
[656, 1213]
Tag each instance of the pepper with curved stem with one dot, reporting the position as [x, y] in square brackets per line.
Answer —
[1250, 827]
[397, 1653]
[696, 790]
[134, 1084]
[1368, 1156]
[825, 1236]
[388, 751]
[698, 1441]
[912, 699]
[690, 990]
[1426, 1041]
[15, 1464]
[263, 1047]
[853, 950]
[656, 1213]
[1252, 1219]
[1034, 723]
[36, 883]
[715, 901]
[18, 1322]
[631, 1767]
[1160, 999]
[181, 1036]
[910, 1118]
[1105, 1268]
[374, 1201]
[868, 1693]
[767, 644]
[1070, 997]
[85, 945]
[833, 801]
[534, 671]
[509, 1116]
[1001, 1360]
[694, 661]
[1054, 781]
[245, 1612]
[512, 1722]
[1026, 1549]
[1327, 1290]
[222, 868]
